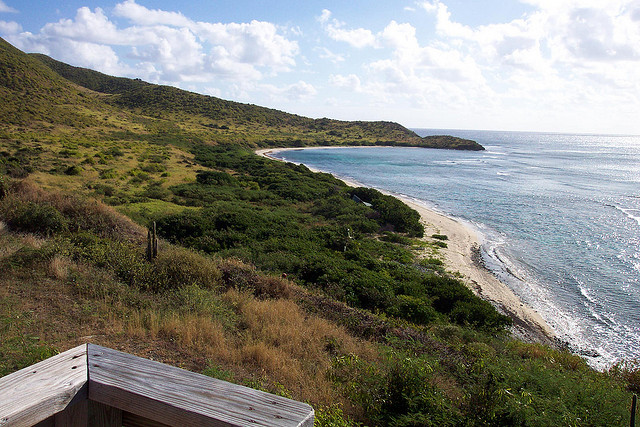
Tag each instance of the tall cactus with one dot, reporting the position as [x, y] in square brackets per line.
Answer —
[152, 243]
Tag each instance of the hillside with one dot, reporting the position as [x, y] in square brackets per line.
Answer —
[152, 100]
[268, 275]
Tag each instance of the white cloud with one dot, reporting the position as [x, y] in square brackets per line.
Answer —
[10, 27]
[358, 37]
[162, 46]
[300, 90]
[562, 58]
[350, 82]
[257, 43]
[4, 8]
[213, 91]
[140, 15]
[87, 26]
[324, 17]
[325, 53]
[295, 92]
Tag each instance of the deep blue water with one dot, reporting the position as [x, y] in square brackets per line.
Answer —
[559, 215]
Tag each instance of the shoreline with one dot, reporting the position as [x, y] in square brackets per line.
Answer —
[463, 255]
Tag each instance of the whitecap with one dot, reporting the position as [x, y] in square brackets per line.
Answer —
[633, 214]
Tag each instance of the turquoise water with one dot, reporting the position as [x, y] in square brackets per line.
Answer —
[559, 215]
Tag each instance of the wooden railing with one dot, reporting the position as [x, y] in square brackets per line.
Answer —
[96, 386]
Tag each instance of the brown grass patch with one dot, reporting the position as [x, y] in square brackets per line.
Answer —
[197, 333]
[295, 348]
[59, 267]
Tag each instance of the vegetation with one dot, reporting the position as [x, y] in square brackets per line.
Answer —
[269, 276]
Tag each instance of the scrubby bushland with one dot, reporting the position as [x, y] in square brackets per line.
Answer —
[308, 226]
[392, 211]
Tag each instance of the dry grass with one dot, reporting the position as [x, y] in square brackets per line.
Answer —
[295, 348]
[259, 338]
[59, 267]
[197, 333]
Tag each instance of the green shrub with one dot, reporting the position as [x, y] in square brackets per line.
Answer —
[417, 310]
[3, 187]
[431, 262]
[393, 212]
[215, 371]
[177, 267]
[214, 178]
[396, 238]
[398, 392]
[108, 174]
[30, 217]
[155, 190]
[125, 259]
[332, 416]
[73, 170]
[238, 275]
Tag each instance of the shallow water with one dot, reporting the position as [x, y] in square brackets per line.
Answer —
[559, 215]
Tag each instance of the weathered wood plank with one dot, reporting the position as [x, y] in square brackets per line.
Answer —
[102, 415]
[75, 415]
[37, 392]
[177, 397]
[132, 420]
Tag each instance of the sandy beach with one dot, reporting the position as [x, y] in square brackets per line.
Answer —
[462, 255]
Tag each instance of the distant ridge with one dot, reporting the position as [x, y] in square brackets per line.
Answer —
[36, 87]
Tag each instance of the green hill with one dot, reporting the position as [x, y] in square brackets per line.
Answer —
[154, 100]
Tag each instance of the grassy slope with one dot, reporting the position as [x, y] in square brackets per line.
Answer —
[264, 126]
[62, 286]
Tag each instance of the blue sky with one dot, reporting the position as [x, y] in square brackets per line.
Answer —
[534, 65]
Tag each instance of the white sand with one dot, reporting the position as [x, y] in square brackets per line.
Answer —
[462, 256]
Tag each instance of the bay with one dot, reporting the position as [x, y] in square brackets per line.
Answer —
[559, 215]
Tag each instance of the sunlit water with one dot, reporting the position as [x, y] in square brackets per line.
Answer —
[559, 215]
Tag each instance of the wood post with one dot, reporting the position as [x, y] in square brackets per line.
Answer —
[155, 241]
[152, 243]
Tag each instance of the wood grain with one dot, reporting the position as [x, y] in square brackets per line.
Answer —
[40, 391]
[177, 397]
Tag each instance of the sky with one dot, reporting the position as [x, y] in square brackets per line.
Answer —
[530, 65]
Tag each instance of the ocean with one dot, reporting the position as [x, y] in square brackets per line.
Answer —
[559, 217]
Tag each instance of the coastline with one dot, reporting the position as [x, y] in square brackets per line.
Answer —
[463, 255]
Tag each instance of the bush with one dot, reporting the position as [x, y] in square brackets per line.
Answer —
[78, 213]
[332, 416]
[214, 178]
[3, 187]
[177, 267]
[73, 170]
[393, 212]
[30, 217]
[398, 392]
[238, 275]
[417, 310]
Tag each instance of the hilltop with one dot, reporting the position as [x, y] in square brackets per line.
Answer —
[267, 274]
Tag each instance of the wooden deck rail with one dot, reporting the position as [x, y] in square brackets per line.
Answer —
[98, 386]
